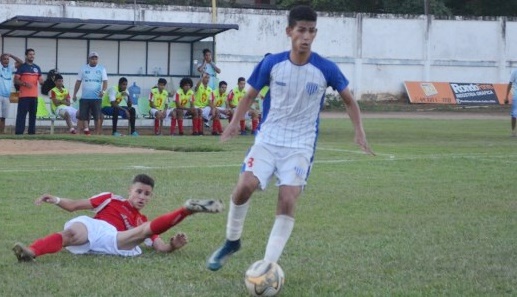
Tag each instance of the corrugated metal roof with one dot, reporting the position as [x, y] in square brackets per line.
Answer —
[95, 29]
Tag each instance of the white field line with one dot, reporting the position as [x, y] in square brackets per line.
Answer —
[507, 159]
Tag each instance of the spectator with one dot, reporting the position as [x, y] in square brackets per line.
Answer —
[115, 103]
[6, 83]
[94, 79]
[208, 66]
[49, 83]
[27, 77]
[219, 109]
[183, 104]
[158, 101]
[60, 103]
[203, 96]
[234, 98]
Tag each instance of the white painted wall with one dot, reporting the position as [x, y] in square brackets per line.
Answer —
[376, 52]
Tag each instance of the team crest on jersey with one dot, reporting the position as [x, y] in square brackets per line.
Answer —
[311, 88]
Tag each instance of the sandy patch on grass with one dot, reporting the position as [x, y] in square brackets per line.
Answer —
[48, 147]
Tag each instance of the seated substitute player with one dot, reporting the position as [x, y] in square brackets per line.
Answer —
[234, 97]
[203, 96]
[219, 109]
[60, 103]
[183, 104]
[158, 101]
[118, 227]
[115, 103]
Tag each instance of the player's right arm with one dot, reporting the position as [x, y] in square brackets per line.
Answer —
[65, 203]
[76, 89]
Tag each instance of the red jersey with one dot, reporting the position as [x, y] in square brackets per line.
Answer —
[117, 211]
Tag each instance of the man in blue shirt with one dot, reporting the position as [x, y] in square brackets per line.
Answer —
[94, 79]
[6, 82]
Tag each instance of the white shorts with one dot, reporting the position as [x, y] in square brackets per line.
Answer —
[222, 110]
[4, 107]
[290, 166]
[247, 115]
[102, 239]
[185, 111]
[60, 111]
[207, 112]
[167, 112]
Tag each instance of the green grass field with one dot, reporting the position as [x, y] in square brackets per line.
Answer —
[433, 214]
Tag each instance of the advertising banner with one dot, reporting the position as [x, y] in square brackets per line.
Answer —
[455, 93]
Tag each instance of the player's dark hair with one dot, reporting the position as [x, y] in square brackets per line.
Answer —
[206, 51]
[185, 81]
[122, 80]
[301, 13]
[29, 50]
[162, 81]
[48, 84]
[222, 83]
[144, 179]
[58, 76]
[241, 79]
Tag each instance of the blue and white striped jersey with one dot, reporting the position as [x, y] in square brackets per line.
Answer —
[292, 106]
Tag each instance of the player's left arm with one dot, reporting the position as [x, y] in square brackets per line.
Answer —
[354, 113]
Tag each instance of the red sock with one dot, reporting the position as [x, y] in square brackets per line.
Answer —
[52, 243]
[254, 125]
[173, 125]
[156, 125]
[168, 220]
[243, 125]
[215, 125]
[219, 128]
[200, 125]
[194, 125]
[180, 126]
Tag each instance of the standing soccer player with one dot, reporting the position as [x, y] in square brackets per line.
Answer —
[285, 142]
[512, 86]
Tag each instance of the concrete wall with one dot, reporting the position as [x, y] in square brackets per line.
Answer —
[376, 52]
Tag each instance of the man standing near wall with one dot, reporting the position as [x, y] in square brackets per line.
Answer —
[208, 66]
[27, 77]
[6, 82]
[95, 82]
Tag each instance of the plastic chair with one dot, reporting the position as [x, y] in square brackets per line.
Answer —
[44, 114]
[144, 108]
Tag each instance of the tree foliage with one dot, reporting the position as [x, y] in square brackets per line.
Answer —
[436, 7]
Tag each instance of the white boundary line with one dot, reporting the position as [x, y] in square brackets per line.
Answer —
[485, 157]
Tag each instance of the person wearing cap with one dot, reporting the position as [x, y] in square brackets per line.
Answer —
[94, 80]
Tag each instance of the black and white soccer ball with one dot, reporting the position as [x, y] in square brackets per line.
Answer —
[264, 278]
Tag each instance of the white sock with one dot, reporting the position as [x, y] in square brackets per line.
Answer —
[278, 237]
[236, 217]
